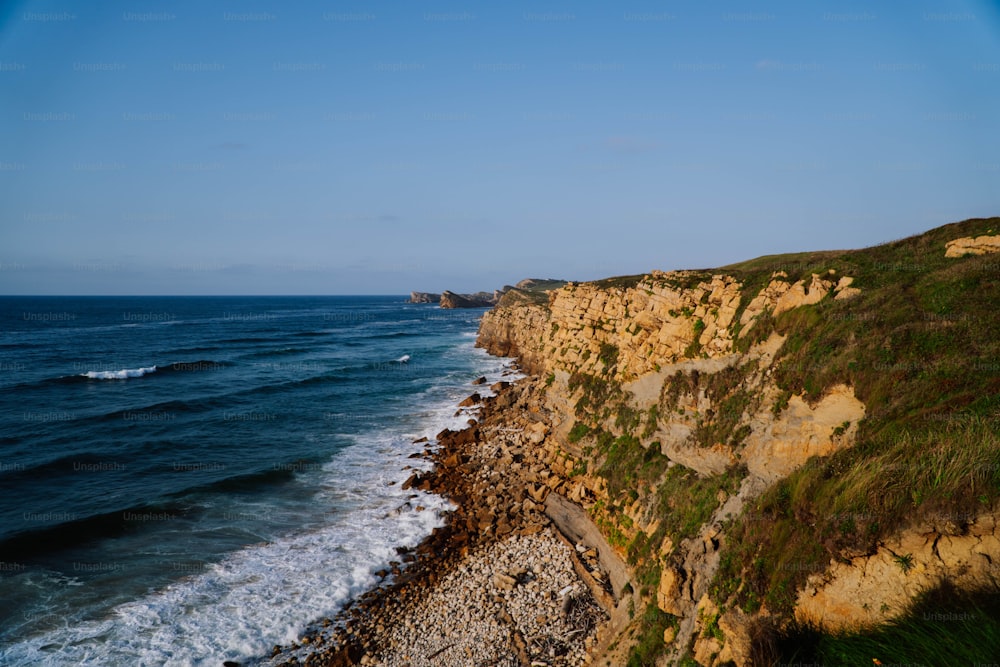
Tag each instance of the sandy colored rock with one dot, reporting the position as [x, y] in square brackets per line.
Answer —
[844, 291]
[778, 446]
[979, 245]
[735, 625]
[668, 594]
[799, 294]
[873, 589]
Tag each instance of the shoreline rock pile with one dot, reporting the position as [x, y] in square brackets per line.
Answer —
[497, 585]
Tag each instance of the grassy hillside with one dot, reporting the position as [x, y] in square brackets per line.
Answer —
[530, 291]
[920, 346]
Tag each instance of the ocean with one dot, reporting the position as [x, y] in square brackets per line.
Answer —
[188, 480]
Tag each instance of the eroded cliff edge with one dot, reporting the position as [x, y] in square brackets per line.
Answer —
[808, 437]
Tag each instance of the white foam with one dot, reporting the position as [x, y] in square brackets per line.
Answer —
[123, 374]
[269, 593]
[265, 594]
[403, 359]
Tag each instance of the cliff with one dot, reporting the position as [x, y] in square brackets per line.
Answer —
[448, 299]
[526, 289]
[424, 297]
[794, 442]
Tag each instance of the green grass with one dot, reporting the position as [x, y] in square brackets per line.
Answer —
[722, 424]
[650, 644]
[628, 466]
[619, 282]
[608, 356]
[578, 432]
[652, 421]
[944, 628]
[627, 418]
[537, 293]
[919, 347]
[599, 396]
[849, 500]
[686, 280]
[686, 500]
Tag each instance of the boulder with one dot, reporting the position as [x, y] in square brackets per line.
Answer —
[536, 433]
[979, 245]
[668, 595]
[470, 401]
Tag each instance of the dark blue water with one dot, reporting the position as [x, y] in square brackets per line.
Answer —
[187, 480]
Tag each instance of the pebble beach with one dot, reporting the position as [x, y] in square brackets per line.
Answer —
[499, 584]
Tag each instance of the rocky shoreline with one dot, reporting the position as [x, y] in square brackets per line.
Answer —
[500, 583]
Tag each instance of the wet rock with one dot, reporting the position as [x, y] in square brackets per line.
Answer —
[485, 588]
[474, 399]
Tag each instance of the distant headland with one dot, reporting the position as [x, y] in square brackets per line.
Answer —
[529, 288]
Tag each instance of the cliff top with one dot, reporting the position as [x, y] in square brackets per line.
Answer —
[753, 364]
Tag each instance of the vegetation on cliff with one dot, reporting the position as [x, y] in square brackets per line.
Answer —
[905, 330]
[918, 347]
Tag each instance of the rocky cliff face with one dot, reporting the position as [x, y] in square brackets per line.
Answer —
[676, 412]
[477, 300]
[667, 347]
[449, 299]
[663, 319]
[424, 297]
[528, 290]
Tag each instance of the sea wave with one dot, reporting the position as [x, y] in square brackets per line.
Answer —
[199, 365]
[122, 374]
[234, 604]
[112, 373]
[264, 594]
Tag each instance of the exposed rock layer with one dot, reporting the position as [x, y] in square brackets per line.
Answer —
[659, 321]
[686, 325]
[979, 245]
[875, 588]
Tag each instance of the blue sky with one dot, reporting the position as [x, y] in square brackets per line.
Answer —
[381, 147]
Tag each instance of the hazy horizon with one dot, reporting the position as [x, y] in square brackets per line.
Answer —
[255, 148]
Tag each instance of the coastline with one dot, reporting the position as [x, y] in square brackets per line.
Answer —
[517, 575]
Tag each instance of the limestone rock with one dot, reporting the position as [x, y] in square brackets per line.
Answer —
[873, 589]
[706, 649]
[669, 593]
[800, 295]
[424, 297]
[979, 245]
[536, 432]
[778, 445]
[844, 291]
[478, 300]
[735, 625]
[474, 399]
[504, 582]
